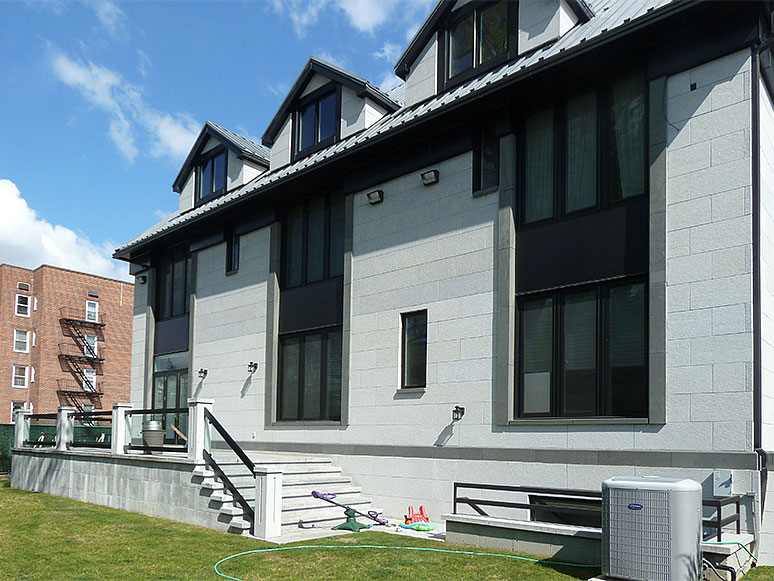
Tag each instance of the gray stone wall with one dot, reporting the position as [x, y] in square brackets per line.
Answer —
[155, 487]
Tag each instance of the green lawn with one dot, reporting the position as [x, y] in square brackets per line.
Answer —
[48, 537]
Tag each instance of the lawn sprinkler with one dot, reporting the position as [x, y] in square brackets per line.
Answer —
[417, 521]
[351, 523]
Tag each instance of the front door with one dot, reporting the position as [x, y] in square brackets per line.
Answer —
[170, 391]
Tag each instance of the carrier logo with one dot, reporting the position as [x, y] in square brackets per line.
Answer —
[635, 506]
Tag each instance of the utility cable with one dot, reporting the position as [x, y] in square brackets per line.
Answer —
[427, 549]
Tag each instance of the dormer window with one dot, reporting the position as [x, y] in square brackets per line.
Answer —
[317, 124]
[479, 38]
[211, 175]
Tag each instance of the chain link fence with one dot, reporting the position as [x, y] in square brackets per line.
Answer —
[6, 443]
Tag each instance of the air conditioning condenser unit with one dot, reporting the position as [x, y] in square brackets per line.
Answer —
[651, 529]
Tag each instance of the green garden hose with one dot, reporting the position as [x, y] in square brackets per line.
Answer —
[427, 549]
[754, 558]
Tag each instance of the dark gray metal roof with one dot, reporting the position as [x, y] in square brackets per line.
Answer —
[241, 146]
[612, 18]
[314, 65]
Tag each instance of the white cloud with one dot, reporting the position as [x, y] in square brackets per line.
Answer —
[389, 52]
[336, 61]
[28, 240]
[302, 13]
[110, 17]
[367, 15]
[389, 81]
[145, 63]
[170, 135]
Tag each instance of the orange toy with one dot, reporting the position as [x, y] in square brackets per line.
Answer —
[416, 517]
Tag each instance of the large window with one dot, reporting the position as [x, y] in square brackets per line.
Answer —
[92, 311]
[310, 376]
[583, 351]
[479, 38]
[314, 241]
[317, 120]
[414, 346]
[211, 175]
[586, 151]
[90, 346]
[21, 341]
[174, 272]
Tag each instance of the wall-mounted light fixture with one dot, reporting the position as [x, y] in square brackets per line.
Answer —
[142, 279]
[457, 413]
[375, 197]
[252, 367]
[202, 373]
[430, 177]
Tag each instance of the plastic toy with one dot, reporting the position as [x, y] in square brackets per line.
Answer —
[351, 523]
[417, 521]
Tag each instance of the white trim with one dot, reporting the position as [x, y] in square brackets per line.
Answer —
[92, 376]
[95, 319]
[17, 305]
[35, 303]
[34, 338]
[89, 343]
[26, 341]
[32, 374]
[14, 375]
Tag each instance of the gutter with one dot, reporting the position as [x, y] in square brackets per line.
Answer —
[540, 66]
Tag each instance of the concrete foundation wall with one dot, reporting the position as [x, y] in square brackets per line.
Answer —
[155, 487]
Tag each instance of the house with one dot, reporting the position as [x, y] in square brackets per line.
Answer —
[545, 260]
[67, 337]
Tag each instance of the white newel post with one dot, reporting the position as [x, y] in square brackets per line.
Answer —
[197, 427]
[118, 427]
[21, 428]
[64, 428]
[268, 502]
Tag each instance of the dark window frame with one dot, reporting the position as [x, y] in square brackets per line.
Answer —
[315, 97]
[403, 369]
[445, 81]
[603, 89]
[170, 257]
[204, 159]
[478, 156]
[286, 248]
[603, 353]
[325, 412]
[232, 250]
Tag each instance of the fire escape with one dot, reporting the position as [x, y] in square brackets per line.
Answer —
[79, 356]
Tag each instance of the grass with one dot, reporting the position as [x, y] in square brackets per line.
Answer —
[49, 537]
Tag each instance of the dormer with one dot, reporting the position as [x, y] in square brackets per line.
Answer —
[218, 162]
[325, 104]
[461, 39]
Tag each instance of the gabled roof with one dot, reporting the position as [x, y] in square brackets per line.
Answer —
[241, 146]
[314, 65]
[439, 13]
[613, 18]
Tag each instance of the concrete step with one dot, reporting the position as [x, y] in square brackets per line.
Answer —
[232, 509]
[303, 490]
[239, 525]
[311, 502]
[319, 513]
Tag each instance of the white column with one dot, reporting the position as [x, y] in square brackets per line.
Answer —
[21, 429]
[118, 427]
[197, 427]
[268, 502]
[64, 428]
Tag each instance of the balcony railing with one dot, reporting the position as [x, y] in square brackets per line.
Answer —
[73, 351]
[81, 316]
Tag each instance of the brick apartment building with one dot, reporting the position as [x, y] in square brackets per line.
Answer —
[65, 339]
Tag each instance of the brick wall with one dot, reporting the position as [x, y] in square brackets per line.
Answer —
[52, 289]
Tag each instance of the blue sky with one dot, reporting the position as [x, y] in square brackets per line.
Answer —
[102, 100]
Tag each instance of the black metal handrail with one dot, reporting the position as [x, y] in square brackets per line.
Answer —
[720, 521]
[158, 411]
[88, 415]
[73, 351]
[230, 441]
[232, 490]
[52, 416]
[477, 503]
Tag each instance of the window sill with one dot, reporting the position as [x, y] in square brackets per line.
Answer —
[485, 191]
[578, 421]
[20, 386]
[409, 392]
[306, 423]
[232, 272]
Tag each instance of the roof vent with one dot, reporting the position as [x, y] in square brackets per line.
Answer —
[93, 293]
[23, 286]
